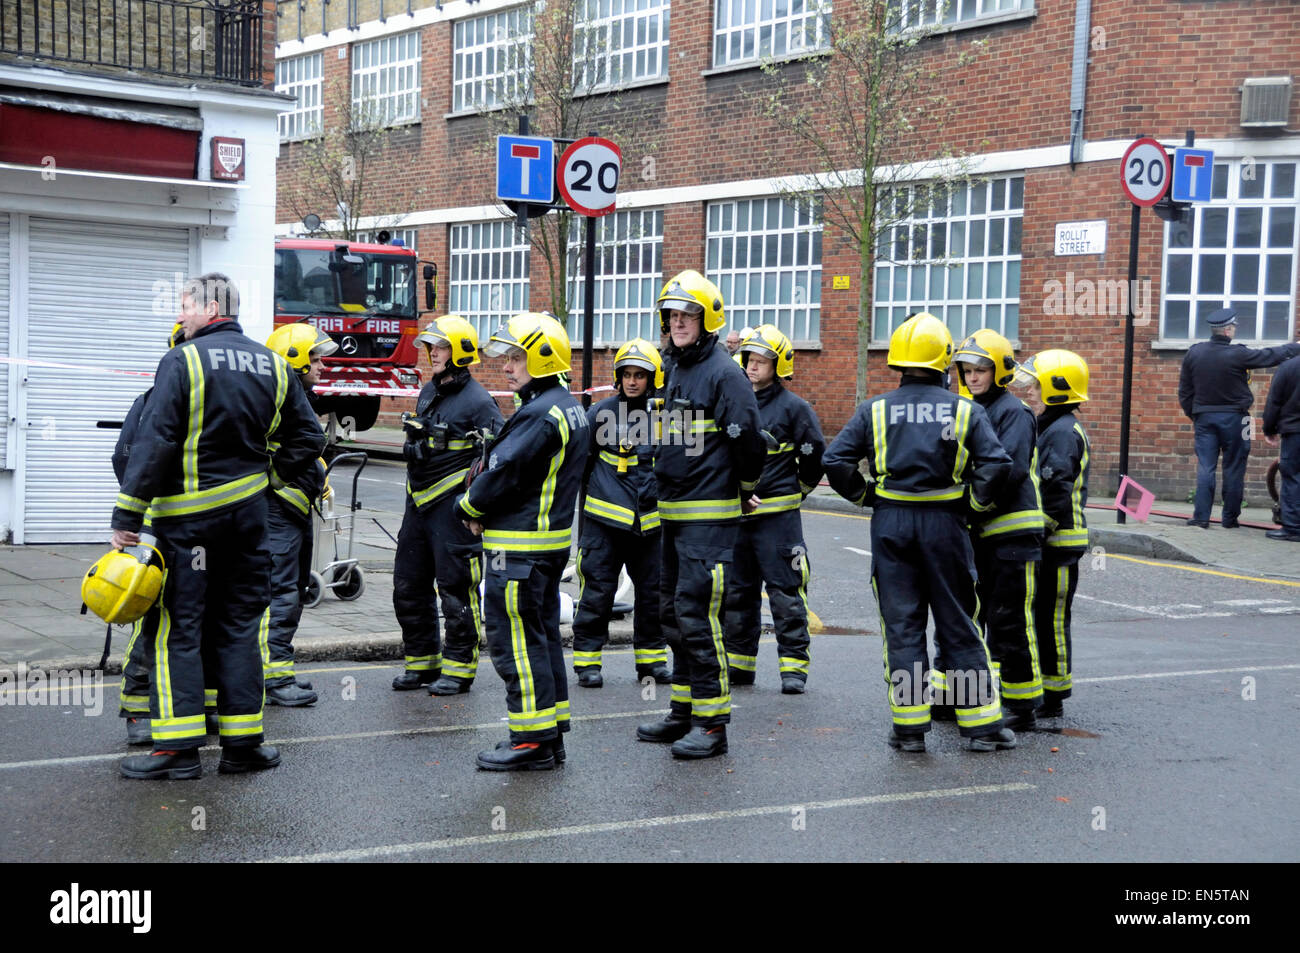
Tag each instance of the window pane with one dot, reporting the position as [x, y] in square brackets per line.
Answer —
[1281, 227]
[1247, 232]
[1277, 321]
[1211, 276]
[1178, 274]
[1277, 280]
[1283, 186]
[1245, 274]
[1214, 228]
[1176, 319]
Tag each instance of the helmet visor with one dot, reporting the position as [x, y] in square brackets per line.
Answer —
[975, 360]
[500, 344]
[757, 346]
[432, 336]
[643, 363]
[1026, 374]
[690, 306]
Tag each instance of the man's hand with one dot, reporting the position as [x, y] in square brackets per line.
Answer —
[122, 539]
[474, 526]
[751, 504]
[1273, 441]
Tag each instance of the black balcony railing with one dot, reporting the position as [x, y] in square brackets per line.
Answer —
[193, 39]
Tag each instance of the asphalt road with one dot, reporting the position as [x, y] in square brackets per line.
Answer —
[1179, 745]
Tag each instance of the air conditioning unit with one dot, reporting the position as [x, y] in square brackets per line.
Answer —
[1265, 101]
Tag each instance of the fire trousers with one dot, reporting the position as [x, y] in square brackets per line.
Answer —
[137, 668]
[1008, 576]
[434, 545]
[602, 552]
[922, 563]
[289, 541]
[217, 588]
[521, 610]
[693, 585]
[1058, 577]
[770, 552]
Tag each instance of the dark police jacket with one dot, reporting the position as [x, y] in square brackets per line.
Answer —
[711, 451]
[1063, 452]
[525, 497]
[1282, 411]
[794, 465]
[462, 403]
[925, 446]
[620, 466]
[1213, 378]
[1018, 509]
[219, 401]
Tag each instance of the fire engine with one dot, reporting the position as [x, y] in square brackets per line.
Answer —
[363, 295]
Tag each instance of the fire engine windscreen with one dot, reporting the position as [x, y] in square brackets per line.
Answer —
[310, 281]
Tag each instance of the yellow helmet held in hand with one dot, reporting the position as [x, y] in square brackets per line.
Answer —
[299, 343]
[1062, 375]
[639, 352]
[921, 341]
[121, 587]
[690, 291]
[453, 331]
[539, 336]
[767, 341]
[987, 348]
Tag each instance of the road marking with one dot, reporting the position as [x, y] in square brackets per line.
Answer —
[1156, 610]
[1278, 610]
[1208, 572]
[1249, 602]
[860, 552]
[644, 823]
[1201, 671]
[847, 516]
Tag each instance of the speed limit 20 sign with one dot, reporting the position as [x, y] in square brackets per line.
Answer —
[1145, 172]
[589, 172]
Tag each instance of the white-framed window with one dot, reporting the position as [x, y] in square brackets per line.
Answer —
[619, 41]
[300, 77]
[489, 274]
[753, 30]
[954, 252]
[629, 275]
[386, 79]
[765, 255]
[930, 13]
[1239, 252]
[406, 237]
[490, 59]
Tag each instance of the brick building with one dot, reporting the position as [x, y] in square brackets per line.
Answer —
[1044, 112]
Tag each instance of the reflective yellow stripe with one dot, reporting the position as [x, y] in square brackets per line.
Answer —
[520, 721]
[548, 486]
[162, 678]
[1069, 538]
[961, 427]
[1061, 679]
[781, 448]
[457, 444]
[1022, 691]
[699, 509]
[439, 489]
[696, 426]
[533, 720]
[469, 507]
[178, 729]
[586, 659]
[562, 712]
[615, 460]
[880, 435]
[947, 493]
[649, 656]
[681, 694]
[721, 705]
[239, 726]
[281, 389]
[649, 521]
[135, 704]
[475, 608]
[294, 497]
[778, 504]
[797, 666]
[131, 503]
[746, 663]
[526, 541]
[1076, 493]
[612, 511]
[463, 670]
[190, 455]
[1021, 521]
[423, 663]
[200, 501]
[1031, 629]
[975, 717]
[711, 707]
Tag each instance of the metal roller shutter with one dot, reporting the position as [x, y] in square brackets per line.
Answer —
[92, 301]
[4, 338]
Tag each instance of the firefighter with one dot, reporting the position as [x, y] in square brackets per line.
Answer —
[453, 416]
[522, 504]
[1008, 540]
[771, 550]
[621, 520]
[199, 463]
[1058, 382]
[933, 457]
[709, 461]
[288, 528]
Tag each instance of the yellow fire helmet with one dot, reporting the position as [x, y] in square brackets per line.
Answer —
[768, 341]
[1062, 375]
[539, 336]
[639, 352]
[690, 291]
[299, 343]
[453, 331]
[987, 348]
[121, 587]
[921, 341]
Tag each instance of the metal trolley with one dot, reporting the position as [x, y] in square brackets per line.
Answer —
[341, 575]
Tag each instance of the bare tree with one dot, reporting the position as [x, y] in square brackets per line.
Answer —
[867, 107]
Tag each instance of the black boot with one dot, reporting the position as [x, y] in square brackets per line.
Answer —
[702, 742]
[660, 673]
[446, 685]
[290, 695]
[738, 676]
[409, 681]
[138, 731]
[246, 758]
[1052, 707]
[912, 744]
[792, 685]
[1019, 720]
[589, 677]
[1005, 738]
[164, 765]
[665, 731]
[304, 684]
[528, 756]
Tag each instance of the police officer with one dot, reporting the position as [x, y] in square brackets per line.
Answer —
[621, 520]
[288, 528]
[1282, 419]
[1214, 392]
[522, 504]
[1058, 382]
[708, 465]
[453, 416]
[771, 549]
[933, 456]
[1008, 540]
[200, 464]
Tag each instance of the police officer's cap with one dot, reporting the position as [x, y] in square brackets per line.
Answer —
[1222, 318]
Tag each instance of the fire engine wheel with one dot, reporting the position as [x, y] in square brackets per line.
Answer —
[350, 584]
[315, 591]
